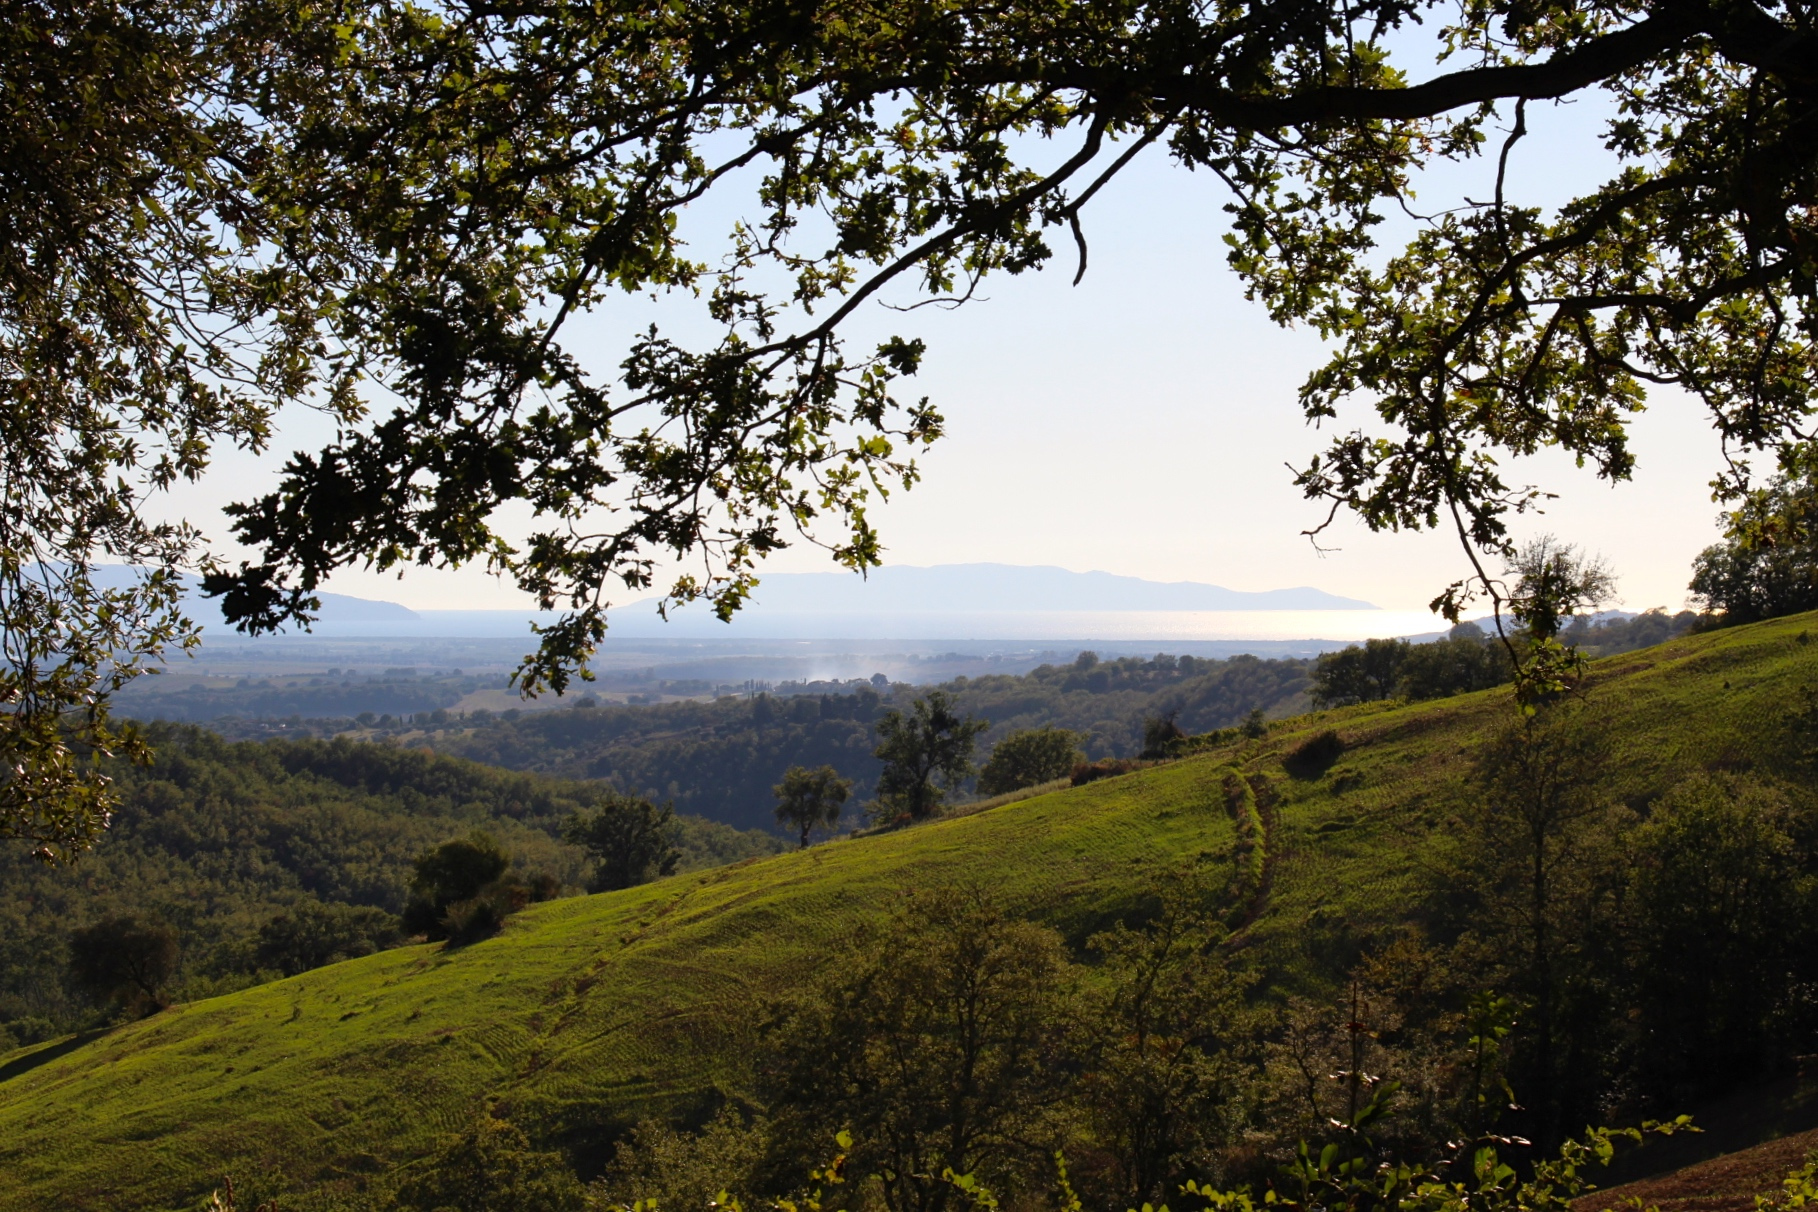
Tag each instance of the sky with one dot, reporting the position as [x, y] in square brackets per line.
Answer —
[1142, 423]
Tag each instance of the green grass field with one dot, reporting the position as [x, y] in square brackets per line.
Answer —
[594, 1011]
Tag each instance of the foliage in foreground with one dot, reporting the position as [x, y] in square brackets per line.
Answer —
[197, 246]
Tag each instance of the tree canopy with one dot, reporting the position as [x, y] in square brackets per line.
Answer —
[1767, 564]
[1028, 758]
[811, 799]
[632, 841]
[927, 754]
[217, 208]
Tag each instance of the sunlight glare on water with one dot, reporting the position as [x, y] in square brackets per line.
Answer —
[1131, 625]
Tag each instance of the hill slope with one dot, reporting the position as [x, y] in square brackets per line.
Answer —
[215, 838]
[592, 1010]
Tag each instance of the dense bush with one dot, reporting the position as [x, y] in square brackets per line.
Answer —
[463, 892]
[491, 1167]
[630, 840]
[1161, 737]
[310, 934]
[1724, 884]
[949, 1039]
[690, 1170]
[125, 962]
[1315, 755]
[1028, 759]
[1104, 768]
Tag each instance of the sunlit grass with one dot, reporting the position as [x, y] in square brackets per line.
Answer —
[598, 1010]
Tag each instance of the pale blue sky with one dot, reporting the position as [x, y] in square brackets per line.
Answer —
[1140, 424]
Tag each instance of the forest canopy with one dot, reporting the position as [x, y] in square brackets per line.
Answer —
[217, 208]
[266, 858]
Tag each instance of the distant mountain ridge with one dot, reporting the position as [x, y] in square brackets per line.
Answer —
[901, 601]
[336, 607]
[969, 588]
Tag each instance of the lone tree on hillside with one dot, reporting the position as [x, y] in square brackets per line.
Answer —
[1161, 735]
[1554, 582]
[198, 245]
[632, 841]
[455, 872]
[124, 960]
[1029, 758]
[927, 754]
[811, 799]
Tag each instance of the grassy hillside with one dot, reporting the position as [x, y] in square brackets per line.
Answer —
[215, 838]
[588, 1012]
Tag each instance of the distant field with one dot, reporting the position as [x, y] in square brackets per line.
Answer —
[593, 1011]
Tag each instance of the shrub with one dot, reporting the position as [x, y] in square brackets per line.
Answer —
[631, 840]
[25, 1031]
[311, 934]
[941, 1041]
[1029, 758]
[452, 872]
[229, 1201]
[492, 1167]
[1104, 768]
[1161, 736]
[682, 1170]
[1315, 755]
[483, 916]
[124, 960]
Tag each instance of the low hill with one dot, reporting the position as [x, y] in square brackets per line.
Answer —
[215, 838]
[588, 1013]
[720, 759]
